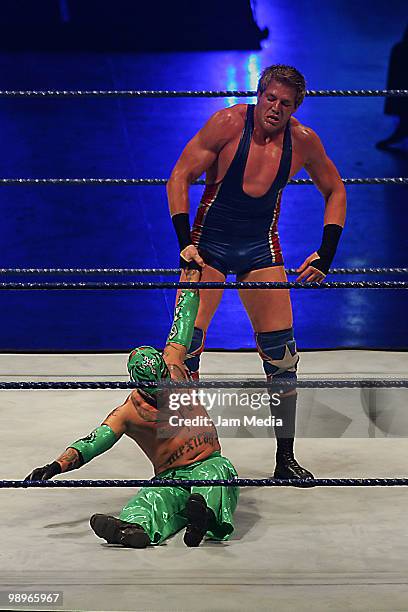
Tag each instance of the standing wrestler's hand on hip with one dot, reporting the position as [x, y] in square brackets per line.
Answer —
[188, 254]
[308, 273]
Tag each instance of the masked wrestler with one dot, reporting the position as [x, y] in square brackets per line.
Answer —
[176, 449]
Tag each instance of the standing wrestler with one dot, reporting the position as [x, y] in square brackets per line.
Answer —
[176, 449]
[249, 152]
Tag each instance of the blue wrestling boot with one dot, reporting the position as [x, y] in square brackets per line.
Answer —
[115, 531]
[199, 517]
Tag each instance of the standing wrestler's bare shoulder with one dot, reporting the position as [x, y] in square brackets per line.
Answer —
[202, 150]
[305, 140]
[225, 124]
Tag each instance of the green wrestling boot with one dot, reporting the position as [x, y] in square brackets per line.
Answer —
[115, 531]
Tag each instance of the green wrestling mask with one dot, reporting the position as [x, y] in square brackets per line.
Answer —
[146, 364]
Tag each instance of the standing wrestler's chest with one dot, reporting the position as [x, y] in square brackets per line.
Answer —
[261, 166]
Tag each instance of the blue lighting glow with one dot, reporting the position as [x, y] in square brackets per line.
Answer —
[248, 81]
[252, 71]
[231, 84]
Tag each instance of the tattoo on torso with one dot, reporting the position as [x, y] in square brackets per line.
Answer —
[192, 444]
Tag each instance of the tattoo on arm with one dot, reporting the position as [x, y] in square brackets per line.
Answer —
[117, 419]
[70, 460]
[192, 276]
[173, 350]
[174, 356]
[145, 415]
[111, 414]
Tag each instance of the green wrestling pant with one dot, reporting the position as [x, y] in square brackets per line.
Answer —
[160, 510]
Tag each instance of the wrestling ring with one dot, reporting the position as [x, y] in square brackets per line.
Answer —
[289, 543]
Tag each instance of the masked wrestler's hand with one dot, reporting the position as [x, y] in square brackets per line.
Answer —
[46, 472]
[190, 255]
[308, 272]
[174, 355]
[178, 371]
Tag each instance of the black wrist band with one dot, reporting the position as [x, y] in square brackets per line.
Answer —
[330, 240]
[54, 468]
[181, 222]
[327, 250]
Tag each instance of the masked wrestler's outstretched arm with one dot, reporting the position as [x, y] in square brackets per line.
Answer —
[83, 450]
[181, 332]
[114, 426]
